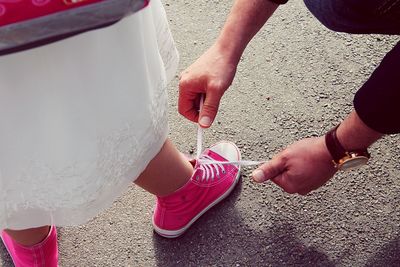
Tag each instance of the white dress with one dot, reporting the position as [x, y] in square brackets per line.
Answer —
[80, 119]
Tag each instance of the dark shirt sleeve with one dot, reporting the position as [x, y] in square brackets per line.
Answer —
[377, 102]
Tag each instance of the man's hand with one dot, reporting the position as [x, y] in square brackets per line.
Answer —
[211, 75]
[214, 71]
[300, 168]
[307, 164]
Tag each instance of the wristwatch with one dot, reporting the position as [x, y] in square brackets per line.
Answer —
[342, 159]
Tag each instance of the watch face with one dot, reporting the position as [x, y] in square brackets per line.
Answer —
[353, 163]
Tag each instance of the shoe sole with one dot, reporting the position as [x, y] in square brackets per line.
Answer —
[179, 232]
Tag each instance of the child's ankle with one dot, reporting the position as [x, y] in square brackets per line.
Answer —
[29, 237]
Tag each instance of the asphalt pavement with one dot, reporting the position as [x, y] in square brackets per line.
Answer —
[296, 79]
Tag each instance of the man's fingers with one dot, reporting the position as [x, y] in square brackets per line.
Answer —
[188, 101]
[270, 170]
[190, 91]
[304, 192]
[187, 108]
[276, 171]
[210, 106]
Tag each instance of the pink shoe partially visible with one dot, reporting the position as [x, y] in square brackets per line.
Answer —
[209, 184]
[44, 254]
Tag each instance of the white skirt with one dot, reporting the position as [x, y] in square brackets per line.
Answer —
[80, 119]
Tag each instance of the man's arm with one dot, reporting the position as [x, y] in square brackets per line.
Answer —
[214, 71]
[244, 21]
[378, 101]
[307, 164]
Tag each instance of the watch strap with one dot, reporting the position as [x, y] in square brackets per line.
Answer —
[337, 151]
[335, 148]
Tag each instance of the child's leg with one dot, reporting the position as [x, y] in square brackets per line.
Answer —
[166, 172]
[184, 192]
[29, 237]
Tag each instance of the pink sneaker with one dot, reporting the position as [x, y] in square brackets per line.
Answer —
[44, 254]
[209, 184]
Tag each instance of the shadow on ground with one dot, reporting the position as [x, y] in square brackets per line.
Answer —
[221, 238]
[388, 255]
[5, 259]
[225, 240]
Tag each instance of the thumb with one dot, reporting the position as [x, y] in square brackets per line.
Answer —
[209, 109]
[269, 170]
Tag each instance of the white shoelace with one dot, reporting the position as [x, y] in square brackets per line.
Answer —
[208, 165]
[210, 170]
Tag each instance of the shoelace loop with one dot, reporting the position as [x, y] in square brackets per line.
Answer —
[205, 161]
[210, 171]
